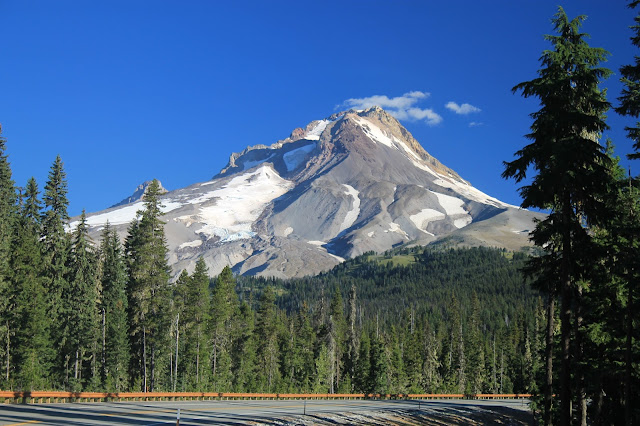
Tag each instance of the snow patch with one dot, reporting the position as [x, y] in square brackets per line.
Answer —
[196, 243]
[451, 205]
[394, 227]
[373, 132]
[314, 134]
[293, 158]
[371, 234]
[250, 164]
[424, 216]
[353, 214]
[287, 231]
[124, 214]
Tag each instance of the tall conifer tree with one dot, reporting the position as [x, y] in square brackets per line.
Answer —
[56, 253]
[572, 170]
[223, 314]
[7, 223]
[33, 352]
[113, 312]
[80, 300]
[148, 291]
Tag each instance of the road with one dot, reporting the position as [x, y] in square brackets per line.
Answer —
[243, 412]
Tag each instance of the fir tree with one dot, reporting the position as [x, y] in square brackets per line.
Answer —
[113, 310]
[80, 322]
[224, 311]
[56, 253]
[572, 170]
[268, 351]
[146, 252]
[33, 347]
[7, 223]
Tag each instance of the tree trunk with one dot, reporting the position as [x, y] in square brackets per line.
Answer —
[565, 314]
[578, 349]
[104, 345]
[628, 397]
[8, 351]
[548, 354]
[144, 359]
[175, 375]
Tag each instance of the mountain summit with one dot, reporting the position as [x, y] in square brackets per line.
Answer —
[354, 182]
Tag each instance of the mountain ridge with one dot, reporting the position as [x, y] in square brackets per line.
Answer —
[353, 182]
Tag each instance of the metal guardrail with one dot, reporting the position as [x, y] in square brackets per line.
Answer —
[51, 397]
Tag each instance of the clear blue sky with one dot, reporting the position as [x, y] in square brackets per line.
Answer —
[127, 91]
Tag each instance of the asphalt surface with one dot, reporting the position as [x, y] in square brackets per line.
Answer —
[239, 412]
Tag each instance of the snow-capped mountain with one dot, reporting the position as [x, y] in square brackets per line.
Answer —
[354, 182]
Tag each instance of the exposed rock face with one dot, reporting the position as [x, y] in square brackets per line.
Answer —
[138, 194]
[351, 183]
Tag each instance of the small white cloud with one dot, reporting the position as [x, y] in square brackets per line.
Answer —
[401, 107]
[462, 109]
[475, 124]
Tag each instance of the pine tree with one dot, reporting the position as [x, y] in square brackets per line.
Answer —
[7, 220]
[224, 311]
[33, 352]
[182, 368]
[56, 253]
[197, 316]
[337, 338]
[80, 323]
[8, 217]
[148, 291]
[113, 312]
[268, 351]
[572, 169]
[244, 354]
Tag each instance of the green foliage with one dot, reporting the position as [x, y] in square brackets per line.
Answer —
[113, 313]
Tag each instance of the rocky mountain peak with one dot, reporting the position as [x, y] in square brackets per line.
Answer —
[138, 194]
[353, 182]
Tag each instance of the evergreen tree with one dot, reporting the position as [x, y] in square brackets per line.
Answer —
[337, 338]
[80, 300]
[572, 170]
[267, 353]
[33, 352]
[148, 291]
[56, 253]
[363, 365]
[303, 359]
[224, 311]
[7, 223]
[181, 364]
[113, 310]
[244, 354]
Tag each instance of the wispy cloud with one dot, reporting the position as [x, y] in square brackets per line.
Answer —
[476, 124]
[401, 107]
[463, 109]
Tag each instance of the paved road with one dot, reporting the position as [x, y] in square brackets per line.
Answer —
[216, 412]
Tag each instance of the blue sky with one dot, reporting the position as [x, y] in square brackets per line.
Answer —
[127, 91]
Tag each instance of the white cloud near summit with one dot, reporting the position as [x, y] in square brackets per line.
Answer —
[401, 107]
[463, 109]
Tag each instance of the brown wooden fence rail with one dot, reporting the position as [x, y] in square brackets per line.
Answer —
[47, 397]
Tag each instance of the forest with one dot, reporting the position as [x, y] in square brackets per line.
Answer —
[560, 322]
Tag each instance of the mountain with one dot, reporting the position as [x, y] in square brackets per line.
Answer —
[138, 194]
[354, 182]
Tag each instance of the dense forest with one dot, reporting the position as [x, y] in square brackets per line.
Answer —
[561, 324]
[81, 315]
